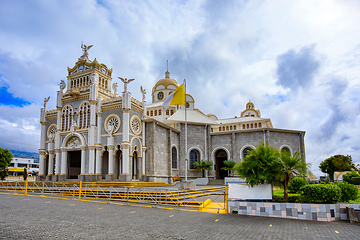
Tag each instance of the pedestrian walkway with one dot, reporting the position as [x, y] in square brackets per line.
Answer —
[37, 217]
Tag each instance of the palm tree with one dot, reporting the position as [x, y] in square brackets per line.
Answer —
[261, 165]
[292, 166]
[229, 166]
[203, 165]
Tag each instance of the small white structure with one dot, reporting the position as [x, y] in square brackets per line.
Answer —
[18, 164]
[242, 191]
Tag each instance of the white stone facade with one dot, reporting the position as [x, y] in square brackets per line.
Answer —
[96, 134]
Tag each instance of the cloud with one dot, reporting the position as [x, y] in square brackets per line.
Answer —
[297, 69]
[297, 61]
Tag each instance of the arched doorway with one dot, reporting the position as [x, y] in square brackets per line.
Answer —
[46, 164]
[118, 164]
[74, 163]
[220, 157]
[105, 164]
[134, 165]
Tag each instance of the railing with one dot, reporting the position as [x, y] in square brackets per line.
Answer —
[214, 198]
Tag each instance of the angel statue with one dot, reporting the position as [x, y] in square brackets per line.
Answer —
[46, 100]
[115, 87]
[62, 85]
[143, 91]
[85, 49]
[126, 82]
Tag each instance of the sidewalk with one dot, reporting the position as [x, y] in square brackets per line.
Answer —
[28, 217]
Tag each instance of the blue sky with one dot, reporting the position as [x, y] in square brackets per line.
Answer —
[298, 61]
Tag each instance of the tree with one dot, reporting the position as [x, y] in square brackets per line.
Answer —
[265, 164]
[337, 163]
[261, 165]
[203, 165]
[292, 166]
[5, 160]
[229, 166]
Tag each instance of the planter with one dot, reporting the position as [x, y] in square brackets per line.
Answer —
[201, 181]
[185, 185]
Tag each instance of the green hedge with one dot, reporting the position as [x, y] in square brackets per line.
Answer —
[347, 177]
[296, 184]
[321, 193]
[348, 191]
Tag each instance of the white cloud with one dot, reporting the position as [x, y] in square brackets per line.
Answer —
[226, 50]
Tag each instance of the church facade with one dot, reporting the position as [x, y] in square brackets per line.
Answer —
[94, 134]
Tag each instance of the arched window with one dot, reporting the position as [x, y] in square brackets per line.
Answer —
[84, 115]
[285, 150]
[66, 118]
[174, 157]
[194, 157]
[246, 151]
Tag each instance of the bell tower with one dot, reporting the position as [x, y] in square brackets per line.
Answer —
[87, 72]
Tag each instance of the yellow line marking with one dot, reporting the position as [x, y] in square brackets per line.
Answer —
[270, 225]
[133, 211]
[72, 204]
[171, 215]
[336, 231]
[100, 208]
[188, 210]
[216, 220]
[48, 202]
[26, 199]
[165, 208]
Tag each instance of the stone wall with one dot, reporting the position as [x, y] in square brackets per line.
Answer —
[302, 211]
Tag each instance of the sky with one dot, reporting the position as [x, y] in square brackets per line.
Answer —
[297, 61]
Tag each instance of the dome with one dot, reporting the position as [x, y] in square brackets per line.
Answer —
[165, 82]
[250, 105]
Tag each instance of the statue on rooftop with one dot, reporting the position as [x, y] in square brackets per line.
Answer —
[85, 49]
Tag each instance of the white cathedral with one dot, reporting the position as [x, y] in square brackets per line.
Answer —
[94, 134]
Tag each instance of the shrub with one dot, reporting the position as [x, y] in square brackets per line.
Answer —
[347, 177]
[348, 191]
[321, 193]
[293, 198]
[296, 184]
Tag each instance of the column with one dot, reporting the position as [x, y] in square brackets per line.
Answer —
[91, 159]
[143, 169]
[57, 164]
[57, 135]
[41, 164]
[111, 175]
[42, 150]
[125, 176]
[98, 139]
[51, 164]
[83, 155]
[62, 176]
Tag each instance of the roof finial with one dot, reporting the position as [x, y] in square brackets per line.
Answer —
[167, 73]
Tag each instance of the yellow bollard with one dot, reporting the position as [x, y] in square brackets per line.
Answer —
[80, 190]
[26, 185]
[226, 199]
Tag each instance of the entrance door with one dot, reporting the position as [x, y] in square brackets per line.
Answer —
[118, 162]
[74, 163]
[220, 157]
[105, 164]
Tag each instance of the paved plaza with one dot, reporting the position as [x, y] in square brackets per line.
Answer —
[35, 217]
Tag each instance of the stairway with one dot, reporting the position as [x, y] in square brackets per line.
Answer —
[216, 182]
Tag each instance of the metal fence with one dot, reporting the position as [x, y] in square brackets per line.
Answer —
[214, 198]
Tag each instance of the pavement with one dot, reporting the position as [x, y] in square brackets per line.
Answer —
[38, 217]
